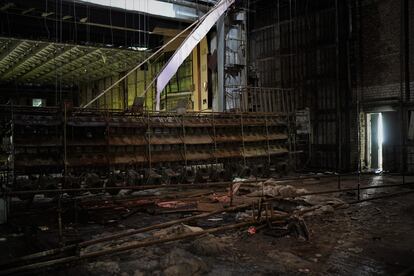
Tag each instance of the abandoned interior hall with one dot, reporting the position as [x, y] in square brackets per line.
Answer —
[206, 137]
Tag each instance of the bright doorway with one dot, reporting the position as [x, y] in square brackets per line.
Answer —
[375, 140]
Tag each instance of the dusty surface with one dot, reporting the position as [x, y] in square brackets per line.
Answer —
[370, 238]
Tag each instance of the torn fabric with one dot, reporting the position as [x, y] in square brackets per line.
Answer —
[188, 45]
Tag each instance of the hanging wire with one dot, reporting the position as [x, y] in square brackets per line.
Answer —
[61, 49]
[54, 52]
[133, 22]
[125, 25]
[110, 22]
[45, 22]
[75, 36]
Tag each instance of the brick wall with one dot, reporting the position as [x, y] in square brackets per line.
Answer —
[386, 90]
[380, 41]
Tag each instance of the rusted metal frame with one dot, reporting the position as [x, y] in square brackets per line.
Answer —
[277, 102]
[148, 137]
[267, 142]
[244, 99]
[254, 102]
[240, 97]
[107, 146]
[242, 133]
[65, 159]
[269, 100]
[293, 132]
[283, 105]
[252, 98]
[213, 184]
[59, 201]
[183, 139]
[231, 193]
[289, 135]
[79, 111]
[215, 138]
[145, 187]
[338, 89]
[249, 99]
[260, 95]
[359, 86]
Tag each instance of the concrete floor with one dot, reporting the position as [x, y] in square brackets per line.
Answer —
[369, 238]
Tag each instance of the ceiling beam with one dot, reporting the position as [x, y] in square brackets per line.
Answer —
[48, 65]
[12, 45]
[34, 50]
[103, 71]
[91, 66]
[28, 61]
[37, 62]
[60, 70]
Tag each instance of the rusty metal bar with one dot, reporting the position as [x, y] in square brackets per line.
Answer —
[267, 142]
[242, 133]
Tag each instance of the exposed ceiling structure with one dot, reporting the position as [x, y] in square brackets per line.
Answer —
[27, 61]
[88, 23]
[177, 9]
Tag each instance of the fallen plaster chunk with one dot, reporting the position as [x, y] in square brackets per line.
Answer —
[208, 246]
[181, 262]
[176, 230]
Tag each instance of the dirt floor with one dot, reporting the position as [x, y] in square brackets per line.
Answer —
[368, 238]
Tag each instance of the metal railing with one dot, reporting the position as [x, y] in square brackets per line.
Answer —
[260, 99]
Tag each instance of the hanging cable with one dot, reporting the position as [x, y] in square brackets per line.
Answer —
[54, 52]
[110, 22]
[125, 25]
[45, 22]
[75, 36]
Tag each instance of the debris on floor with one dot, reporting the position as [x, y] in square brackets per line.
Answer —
[268, 227]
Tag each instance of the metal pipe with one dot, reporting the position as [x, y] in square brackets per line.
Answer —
[153, 227]
[120, 235]
[144, 187]
[118, 249]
